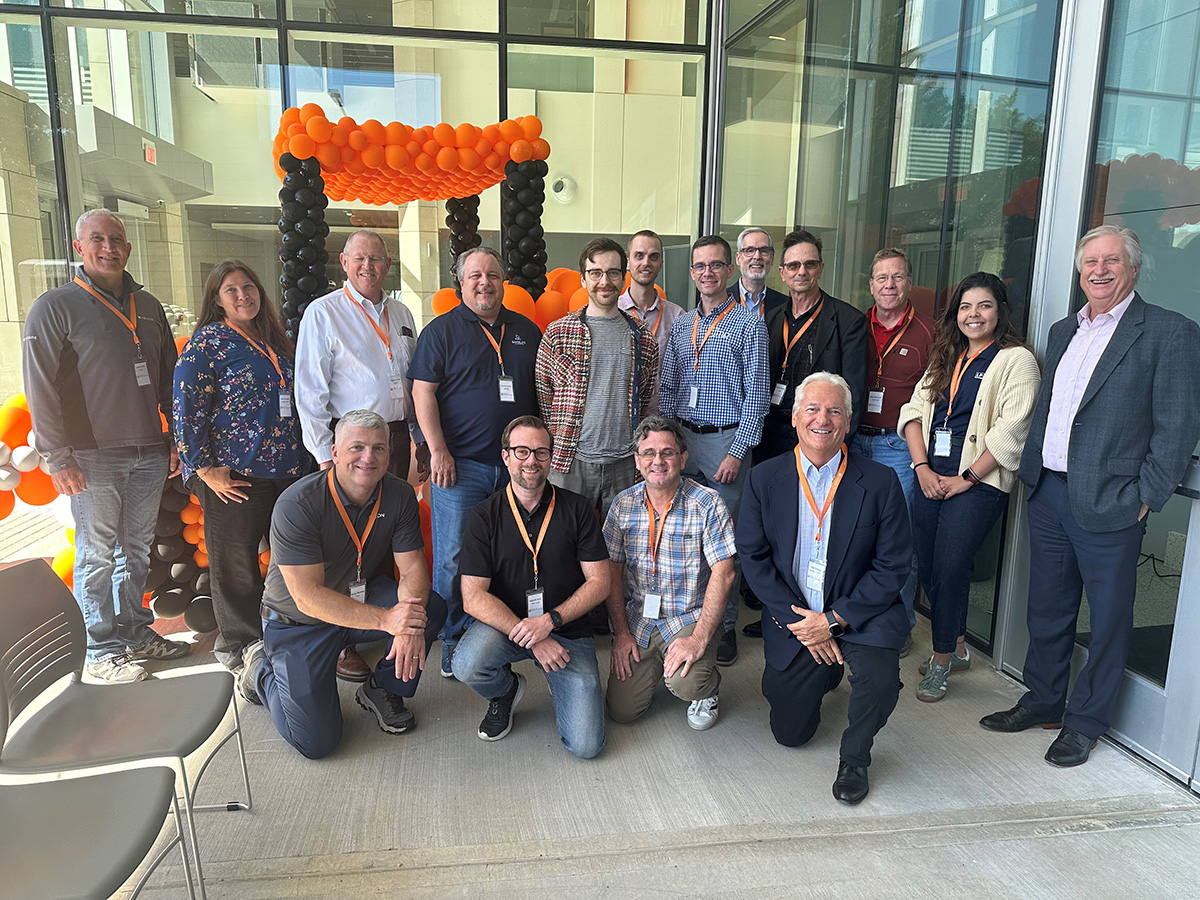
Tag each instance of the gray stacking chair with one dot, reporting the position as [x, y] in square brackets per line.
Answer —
[84, 836]
[42, 639]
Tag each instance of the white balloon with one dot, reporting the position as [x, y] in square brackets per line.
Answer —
[9, 478]
[31, 440]
[5, 453]
[25, 459]
[61, 510]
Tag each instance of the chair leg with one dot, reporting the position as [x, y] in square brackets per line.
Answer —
[179, 839]
[191, 822]
[232, 805]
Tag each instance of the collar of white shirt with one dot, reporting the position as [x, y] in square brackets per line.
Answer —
[1114, 314]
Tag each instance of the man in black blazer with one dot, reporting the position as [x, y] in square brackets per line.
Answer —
[828, 563]
[1115, 424]
[755, 254]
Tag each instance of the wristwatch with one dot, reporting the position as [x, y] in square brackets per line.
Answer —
[835, 627]
[555, 619]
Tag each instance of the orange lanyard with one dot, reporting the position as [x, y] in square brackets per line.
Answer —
[264, 349]
[960, 369]
[359, 542]
[658, 321]
[495, 346]
[657, 526]
[696, 332]
[789, 344]
[130, 320]
[512, 502]
[894, 341]
[382, 332]
[808, 495]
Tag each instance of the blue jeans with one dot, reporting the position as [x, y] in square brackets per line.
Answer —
[450, 507]
[482, 660]
[892, 451]
[297, 681]
[114, 525]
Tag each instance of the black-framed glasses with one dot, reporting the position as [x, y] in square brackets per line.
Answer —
[712, 267]
[757, 251]
[541, 454]
[610, 274]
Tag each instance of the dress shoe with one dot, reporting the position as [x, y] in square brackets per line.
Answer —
[1070, 749]
[851, 784]
[1017, 719]
[753, 629]
[751, 601]
[351, 666]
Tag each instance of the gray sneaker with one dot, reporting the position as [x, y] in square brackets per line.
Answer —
[252, 656]
[389, 710]
[702, 714]
[116, 670]
[957, 663]
[933, 686]
[160, 648]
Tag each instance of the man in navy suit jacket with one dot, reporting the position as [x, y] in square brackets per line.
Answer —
[828, 557]
[755, 253]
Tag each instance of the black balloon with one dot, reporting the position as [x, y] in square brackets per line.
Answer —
[170, 604]
[294, 181]
[286, 195]
[156, 575]
[199, 613]
[294, 296]
[293, 239]
[288, 163]
[294, 211]
[168, 549]
[306, 227]
[307, 254]
[531, 270]
[285, 225]
[317, 269]
[308, 284]
[168, 524]
[305, 196]
[310, 166]
[526, 219]
[182, 571]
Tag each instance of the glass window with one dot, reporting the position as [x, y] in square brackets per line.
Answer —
[742, 11]
[250, 9]
[462, 15]
[651, 21]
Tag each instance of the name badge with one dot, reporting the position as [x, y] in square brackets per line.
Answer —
[358, 591]
[535, 600]
[396, 386]
[941, 442]
[693, 396]
[815, 578]
[285, 404]
[141, 371]
[875, 401]
[508, 393]
[652, 606]
[777, 394]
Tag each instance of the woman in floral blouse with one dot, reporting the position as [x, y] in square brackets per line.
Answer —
[239, 440]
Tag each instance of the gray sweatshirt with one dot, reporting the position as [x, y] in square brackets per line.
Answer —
[79, 372]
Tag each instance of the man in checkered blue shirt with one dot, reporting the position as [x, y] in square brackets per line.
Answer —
[671, 544]
[714, 382]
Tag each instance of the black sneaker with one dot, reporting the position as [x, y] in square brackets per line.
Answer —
[498, 721]
[251, 657]
[727, 652]
[389, 710]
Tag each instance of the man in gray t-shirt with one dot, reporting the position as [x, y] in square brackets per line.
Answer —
[595, 374]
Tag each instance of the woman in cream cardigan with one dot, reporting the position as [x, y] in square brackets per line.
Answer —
[965, 426]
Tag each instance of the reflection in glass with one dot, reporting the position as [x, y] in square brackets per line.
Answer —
[463, 15]
[652, 21]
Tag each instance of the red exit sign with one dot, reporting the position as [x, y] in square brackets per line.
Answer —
[149, 152]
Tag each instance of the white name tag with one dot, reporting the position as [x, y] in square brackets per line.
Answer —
[693, 397]
[141, 371]
[875, 401]
[815, 578]
[652, 606]
[777, 394]
[535, 600]
[396, 386]
[941, 442]
[285, 405]
[508, 393]
[358, 591]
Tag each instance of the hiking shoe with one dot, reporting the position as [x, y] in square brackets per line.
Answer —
[116, 670]
[904, 651]
[702, 714]
[448, 660]
[160, 648]
[498, 721]
[957, 663]
[933, 686]
[727, 652]
[390, 712]
[252, 655]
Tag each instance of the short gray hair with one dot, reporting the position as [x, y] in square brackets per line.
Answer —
[1133, 246]
[825, 378]
[460, 264]
[660, 423]
[748, 231]
[369, 234]
[362, 418]
[98, 213]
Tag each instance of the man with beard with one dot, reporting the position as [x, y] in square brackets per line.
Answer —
[641, 299]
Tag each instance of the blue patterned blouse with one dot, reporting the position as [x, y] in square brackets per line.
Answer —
[226, 407]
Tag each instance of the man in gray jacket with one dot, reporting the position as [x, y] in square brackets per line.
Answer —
[98, 363]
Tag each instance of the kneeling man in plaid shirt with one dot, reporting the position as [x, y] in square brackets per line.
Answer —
[671, 543]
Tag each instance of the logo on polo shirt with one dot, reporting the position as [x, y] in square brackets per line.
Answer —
[517, 341]
[978, 376]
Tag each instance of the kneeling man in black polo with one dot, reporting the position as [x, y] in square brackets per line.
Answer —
[330, 533]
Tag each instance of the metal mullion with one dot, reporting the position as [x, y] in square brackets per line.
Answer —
[282, 54]
[56, 134]
[756, 20]
[956, 106]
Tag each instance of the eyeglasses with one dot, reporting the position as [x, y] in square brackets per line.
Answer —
[666, 455]
[884, 279]
[757, 251]
[541, 454]
[808, 265]
[610, 274]
[712, 267]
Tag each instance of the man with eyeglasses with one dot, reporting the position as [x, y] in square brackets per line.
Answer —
[671, 544]
[898, 354]
[714, 382]
[533, 565]
[353, 352]
[641, 299]
[595, 375]
[755, 253]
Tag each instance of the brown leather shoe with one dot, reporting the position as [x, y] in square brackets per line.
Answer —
[351, 666]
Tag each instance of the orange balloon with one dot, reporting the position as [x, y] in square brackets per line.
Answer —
[628, 281]
[36, 488]
[443, 301]
[181, 343]
[310, 111]
[339, 136]
[14, 426]
[291, 116]
[191, 533]
[396, 133]
[373, 157]
[511, 131]
[425, 162]
[567, 282]
[395, 156]
[550, 306]
[374, 131]
[502, 149]
[491, 133]
[200, 558]
[190, 515]
[579, 300]
[444, 134]
[465, 135]
[541, 149]
[162, 418]
[520, 151]
[319, 129]
[518, 300]
[468, 159]
[264, 557]
[358, 140]
[7, 503]
[447, 159]
[531, 127]
[329, 157]
[302, 146]
[294, 129]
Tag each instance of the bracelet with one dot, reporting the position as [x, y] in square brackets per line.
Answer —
[918, 465]
[970, 476]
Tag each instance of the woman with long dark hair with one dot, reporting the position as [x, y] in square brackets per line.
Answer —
[965, 426]
[239, 439]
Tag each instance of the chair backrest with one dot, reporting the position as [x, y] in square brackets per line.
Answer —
[42, 636]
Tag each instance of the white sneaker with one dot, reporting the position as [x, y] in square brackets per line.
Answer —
[116, 670]
[702, 714]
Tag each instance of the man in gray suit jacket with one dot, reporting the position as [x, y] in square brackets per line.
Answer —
[1115, 424]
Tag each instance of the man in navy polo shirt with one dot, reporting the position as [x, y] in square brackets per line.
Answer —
[472, 374]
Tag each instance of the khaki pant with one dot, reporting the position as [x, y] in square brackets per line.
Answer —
[629, 699]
